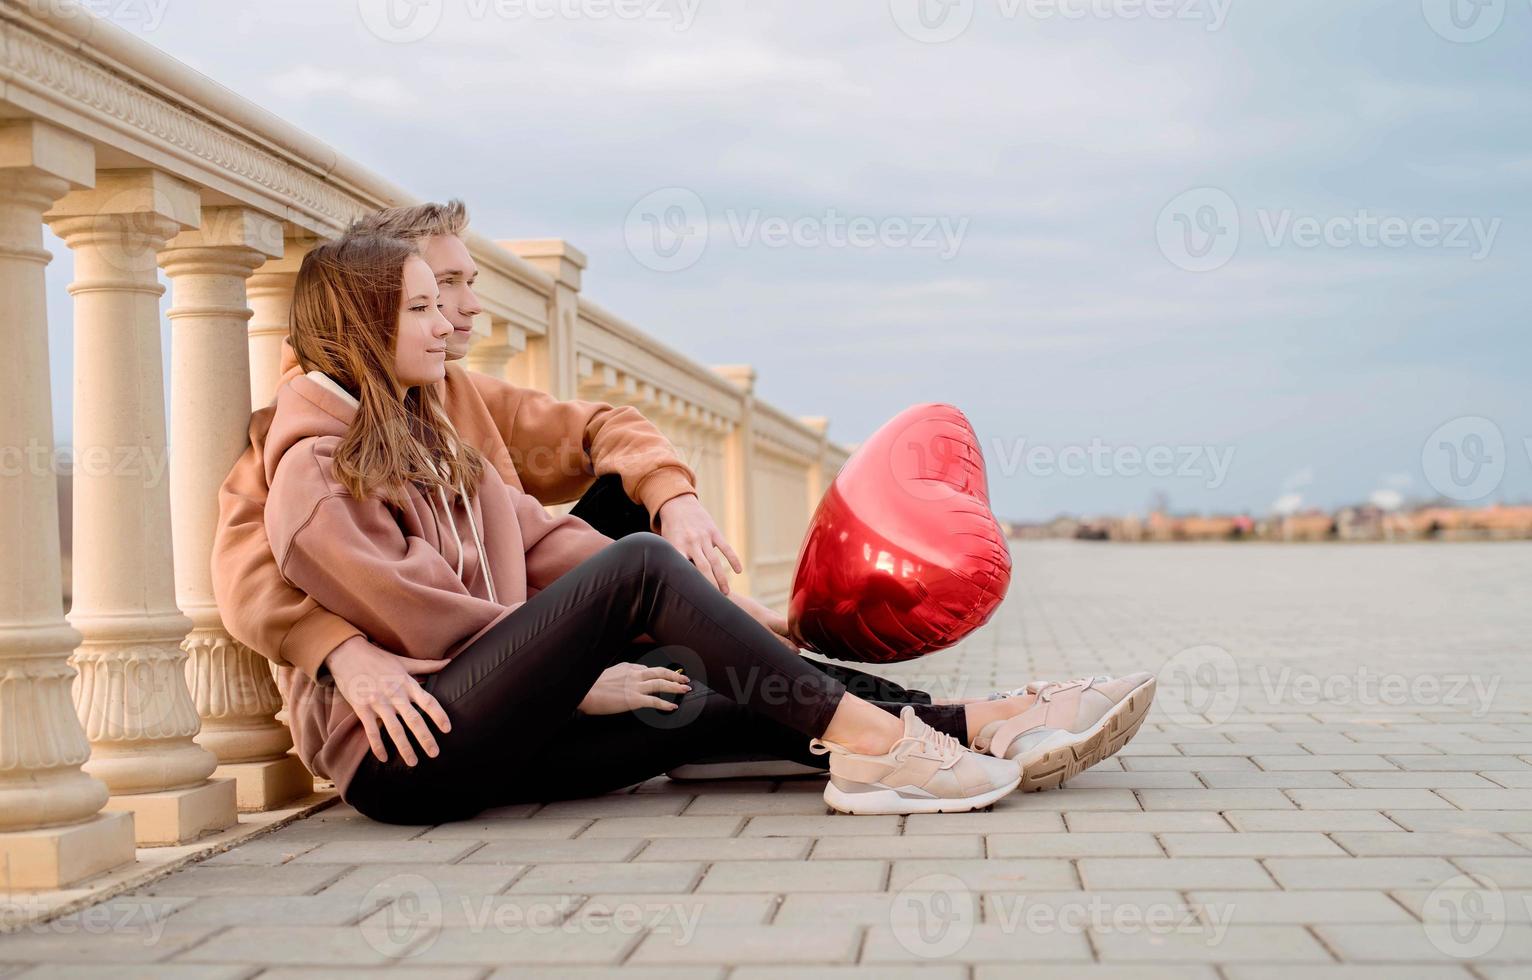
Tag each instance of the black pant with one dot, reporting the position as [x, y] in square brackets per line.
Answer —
[511, 692]
[511, 695]
[606, 508]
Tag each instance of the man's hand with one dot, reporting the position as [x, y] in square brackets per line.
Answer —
[767, 617]
[625, 687]
[685, 523]
[382, 690]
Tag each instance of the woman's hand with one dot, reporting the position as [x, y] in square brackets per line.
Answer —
[382, 690]
[767, 617]
[624, 687]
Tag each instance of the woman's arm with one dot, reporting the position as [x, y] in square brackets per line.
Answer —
[260, 608]
[352, 557]
[554, 545]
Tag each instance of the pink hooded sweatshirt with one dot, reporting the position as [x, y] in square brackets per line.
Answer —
[424, 581]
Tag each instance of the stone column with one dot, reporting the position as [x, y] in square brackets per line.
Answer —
[52, 830]
[492, 351]
[270, 295]
[131, 693]
[552, 357]
[818, 482]
[739, 471]
[231, 685]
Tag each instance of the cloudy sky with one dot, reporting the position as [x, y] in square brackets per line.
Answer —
[1262, 248]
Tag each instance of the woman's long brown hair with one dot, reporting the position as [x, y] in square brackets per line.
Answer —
[345, 323]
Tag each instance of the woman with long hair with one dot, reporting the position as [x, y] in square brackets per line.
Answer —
[380, 513]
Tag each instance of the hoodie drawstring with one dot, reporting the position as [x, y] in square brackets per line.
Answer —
[478, 539]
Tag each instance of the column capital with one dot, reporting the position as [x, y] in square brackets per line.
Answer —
[554, 256]
[125, 219]
[235, 229]
[153, 193]
[30, 145]
[818, 423]
[742, 375]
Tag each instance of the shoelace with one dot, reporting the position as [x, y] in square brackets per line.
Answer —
[944, 746]
[1039, 686]
[1046, 689]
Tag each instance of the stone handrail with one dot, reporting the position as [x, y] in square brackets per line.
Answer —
[138, 719]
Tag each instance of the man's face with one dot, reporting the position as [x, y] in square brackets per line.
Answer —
[455, 275]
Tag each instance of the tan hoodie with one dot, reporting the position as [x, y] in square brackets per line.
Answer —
[422, 581]
[551, 448]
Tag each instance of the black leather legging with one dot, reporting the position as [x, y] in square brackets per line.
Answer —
[606, 508]
[511, 696]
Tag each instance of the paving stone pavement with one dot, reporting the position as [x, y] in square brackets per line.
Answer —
[1336, 778]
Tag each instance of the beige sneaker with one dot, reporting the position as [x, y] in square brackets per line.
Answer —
[1072, 726]
[926, 771]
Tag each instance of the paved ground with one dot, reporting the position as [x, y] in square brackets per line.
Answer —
[1337, 780]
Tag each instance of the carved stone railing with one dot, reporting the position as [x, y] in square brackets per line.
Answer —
[138, 719]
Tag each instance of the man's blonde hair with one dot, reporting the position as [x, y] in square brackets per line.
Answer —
[414, 222]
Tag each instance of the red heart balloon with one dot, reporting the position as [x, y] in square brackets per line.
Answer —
[903, 555]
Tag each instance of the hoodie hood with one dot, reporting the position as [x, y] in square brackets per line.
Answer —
[313, 406]
[308, 406]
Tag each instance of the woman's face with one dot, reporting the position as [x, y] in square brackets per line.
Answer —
[420, 349]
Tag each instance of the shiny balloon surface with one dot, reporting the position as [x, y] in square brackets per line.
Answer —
[903, 556]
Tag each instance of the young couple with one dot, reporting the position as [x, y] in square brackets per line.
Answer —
[445, 645]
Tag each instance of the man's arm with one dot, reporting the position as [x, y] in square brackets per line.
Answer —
[259, 608]
[557, 446]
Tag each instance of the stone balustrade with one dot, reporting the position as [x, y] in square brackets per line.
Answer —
[137, 720]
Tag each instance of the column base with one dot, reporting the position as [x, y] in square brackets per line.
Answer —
[56, 857]
[267, 785]
[177, 816]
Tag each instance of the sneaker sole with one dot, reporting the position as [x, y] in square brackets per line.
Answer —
[888, 801]
[1050, 765]
[743, 769]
